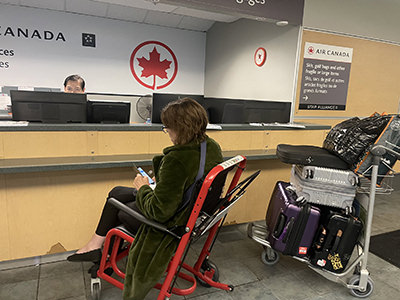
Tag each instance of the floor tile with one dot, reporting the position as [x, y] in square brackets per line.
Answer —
[289, 287]
[255, 290]
[263, 271]
[59, 268]
[19, 274]
[220, 295]
[235, 273]
[62, 286]
[25, 290]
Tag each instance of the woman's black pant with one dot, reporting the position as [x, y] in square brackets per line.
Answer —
[112, 216]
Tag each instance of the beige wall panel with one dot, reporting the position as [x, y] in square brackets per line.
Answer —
[1, 145]
[57, 207]
[4, 233]
[123, 142]
[253, 205]
[92, 142]
[44, 144]
[295, 137]
[233, 140]
[258, 140]
[158, 140]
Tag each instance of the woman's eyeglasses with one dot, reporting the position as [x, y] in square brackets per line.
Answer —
[164, 129]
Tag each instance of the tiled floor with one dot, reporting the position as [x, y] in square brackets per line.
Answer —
[239, 263]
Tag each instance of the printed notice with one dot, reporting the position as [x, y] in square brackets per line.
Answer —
[325, 77]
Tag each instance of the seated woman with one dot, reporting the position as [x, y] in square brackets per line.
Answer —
[185, 122]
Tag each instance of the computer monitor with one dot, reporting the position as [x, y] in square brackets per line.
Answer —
[108, 112]
[238, 111]
[48, 107]
[267, 112]
[160, 100]
[223, 110]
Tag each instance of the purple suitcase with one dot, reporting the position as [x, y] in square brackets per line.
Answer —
[291, 225]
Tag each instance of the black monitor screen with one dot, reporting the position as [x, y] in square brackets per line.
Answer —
[48, 107]
[161, 100]
[108, 112]
[238, 111]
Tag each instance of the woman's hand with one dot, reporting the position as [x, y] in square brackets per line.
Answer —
[140, 181]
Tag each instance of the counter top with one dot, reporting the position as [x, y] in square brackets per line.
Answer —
[23, 126]
[22, 165]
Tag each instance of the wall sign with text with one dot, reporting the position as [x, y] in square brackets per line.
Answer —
[325, 77]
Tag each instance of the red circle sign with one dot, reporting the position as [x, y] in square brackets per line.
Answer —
[157, 62]
[260, 56]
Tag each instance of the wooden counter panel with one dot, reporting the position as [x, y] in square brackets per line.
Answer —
[123, 142]
[253, 205]
[62, 208]
[44, 144]
[4, 233]
[303, 137]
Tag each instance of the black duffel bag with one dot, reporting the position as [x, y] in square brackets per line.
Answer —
[349, 139]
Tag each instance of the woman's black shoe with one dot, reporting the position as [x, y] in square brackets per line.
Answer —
[94, 256]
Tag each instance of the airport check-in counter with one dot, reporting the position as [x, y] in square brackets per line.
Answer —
[54, 178]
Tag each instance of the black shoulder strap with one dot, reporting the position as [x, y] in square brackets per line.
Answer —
[188, 194]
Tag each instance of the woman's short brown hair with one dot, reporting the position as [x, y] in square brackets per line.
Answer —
[187, 118]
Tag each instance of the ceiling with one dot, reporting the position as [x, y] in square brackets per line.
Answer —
[141, 11]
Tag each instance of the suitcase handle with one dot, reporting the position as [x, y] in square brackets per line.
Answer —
[280, 225]
[288, 230]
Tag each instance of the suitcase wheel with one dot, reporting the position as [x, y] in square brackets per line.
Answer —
[355, 280]
[269, 256]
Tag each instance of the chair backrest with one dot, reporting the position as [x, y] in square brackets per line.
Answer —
[209, 203]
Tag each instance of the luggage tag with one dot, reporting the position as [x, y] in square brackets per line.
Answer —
[335, 261]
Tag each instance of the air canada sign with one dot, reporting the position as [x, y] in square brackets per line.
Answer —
[30, 33]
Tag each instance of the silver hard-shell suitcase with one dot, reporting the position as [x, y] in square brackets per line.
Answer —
[330, 187]
[341, 178]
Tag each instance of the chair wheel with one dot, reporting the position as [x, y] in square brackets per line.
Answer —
[95, 288]
[207, 266]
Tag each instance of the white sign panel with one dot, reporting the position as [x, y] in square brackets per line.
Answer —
[40, 48]
[328, 52]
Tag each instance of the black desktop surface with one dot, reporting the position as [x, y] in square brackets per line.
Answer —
[160, 100]
[48, 107]
[108, 112]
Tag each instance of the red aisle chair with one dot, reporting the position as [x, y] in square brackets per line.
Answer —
[207, 215]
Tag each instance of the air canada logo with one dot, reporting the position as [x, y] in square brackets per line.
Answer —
[310, 50]
[154, 65]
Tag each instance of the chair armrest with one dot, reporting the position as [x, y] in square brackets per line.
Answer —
[138, 216]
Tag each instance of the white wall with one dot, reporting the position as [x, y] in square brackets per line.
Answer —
[230, 68]
[378, 19]
[106, 68]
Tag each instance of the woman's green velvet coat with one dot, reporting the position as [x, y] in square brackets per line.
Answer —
[152, 249]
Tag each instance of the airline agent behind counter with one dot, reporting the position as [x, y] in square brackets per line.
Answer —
[74, 84]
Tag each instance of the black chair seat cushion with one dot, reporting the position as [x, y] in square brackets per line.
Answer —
[309, 156]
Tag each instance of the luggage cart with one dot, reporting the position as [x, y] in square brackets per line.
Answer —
[355, 276]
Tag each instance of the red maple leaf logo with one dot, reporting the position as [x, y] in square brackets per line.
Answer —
[154, 67]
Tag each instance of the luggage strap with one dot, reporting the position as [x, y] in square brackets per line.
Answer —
[189, 192]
